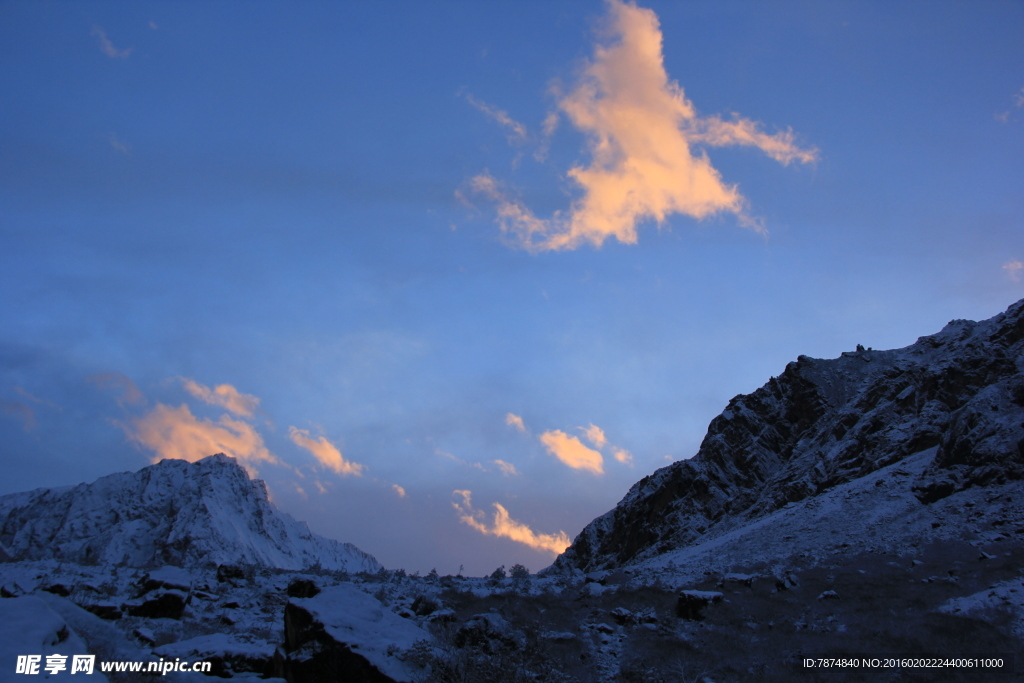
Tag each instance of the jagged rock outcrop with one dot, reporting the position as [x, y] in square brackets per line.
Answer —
[175, 512]
[826, 422]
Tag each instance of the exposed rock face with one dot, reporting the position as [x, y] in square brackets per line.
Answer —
[174, 512]
[826, 422]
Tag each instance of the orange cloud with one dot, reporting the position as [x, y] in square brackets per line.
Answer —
[130, 393]
[513, 420]
[505, 527]
[1013, 269]
[572, 452]
[640, 129]
[399, 490]
[595, 435]
[225, 396]
[507, 468]
[177, 434]
[21, 411]
[623, 456]
[107, 47]
[517, 131]
[326, 452]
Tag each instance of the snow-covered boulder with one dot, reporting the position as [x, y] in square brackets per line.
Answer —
[344, 634]
[29, 628]
[228, 654]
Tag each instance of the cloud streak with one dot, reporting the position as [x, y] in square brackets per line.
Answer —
[503, 526]
[516, 131]
[325, 452]
[571, 451]
[223, 396]
[1013, 269]
[107, 47]
[128, 390]
[516, 422]
[641, 133]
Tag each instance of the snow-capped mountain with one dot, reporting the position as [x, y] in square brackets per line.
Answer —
[173, 512]
[822, 424]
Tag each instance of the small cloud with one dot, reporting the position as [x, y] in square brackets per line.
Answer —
[326, 452]
[623, 456]
[1002, 116]
[129, 392]
[301, 491]
[224, 396]
[20, 411]
[1018, 98]
[643, 139]
[517, 131]
[35, 399]
[1013, 268]
[107, 47]
[572, 452]
[398, 490]
[176, 434]
[118, 145]
[320, 486]
[504, 526]
[513, 420]
[507, 468]
[595, 435]
[153, 25]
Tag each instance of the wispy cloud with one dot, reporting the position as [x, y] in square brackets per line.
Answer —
[641, 133]
[504, 526]
[595, 435]
[224, 396]
[516, 131]
[1013, 268]
[176, 433]
[623, 456]
[107, 47]
[513, 420]
[326, 452]
[128, 390]
[118, 145]
[1018, 98]
[398, 490]
[507, 468]
[21, 411]
[571, 451]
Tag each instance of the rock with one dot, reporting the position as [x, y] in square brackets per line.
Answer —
[302, 588]
[743, 579]
[559, 636]
[623, 617]
[422, 606]
[58, 589]
[443, 616]
[691, 603]
[104, 610]
[158, 604]
[490, 632]
[228, 654]
[167, 577]
[828, 595]
[145, 636]
[343, 634]
[229, 573]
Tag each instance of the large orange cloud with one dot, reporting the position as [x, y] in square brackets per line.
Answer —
[641, 130]
[326, 452]
[571, 451]
[505, 527]
[177, 434]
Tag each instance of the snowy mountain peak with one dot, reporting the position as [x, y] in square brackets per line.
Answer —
[173, 512]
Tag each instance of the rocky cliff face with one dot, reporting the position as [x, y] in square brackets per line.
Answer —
[174, 512]
[822, 423]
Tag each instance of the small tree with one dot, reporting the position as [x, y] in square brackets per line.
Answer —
[432, 576]
[518, 571]
[499, 573]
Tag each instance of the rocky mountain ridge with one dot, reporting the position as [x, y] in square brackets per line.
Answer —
[823, 423]
[174, 512]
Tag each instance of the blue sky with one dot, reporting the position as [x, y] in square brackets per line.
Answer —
[393, 233]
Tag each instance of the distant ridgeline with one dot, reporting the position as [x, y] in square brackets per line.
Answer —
[175, 512]
[823, 423]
